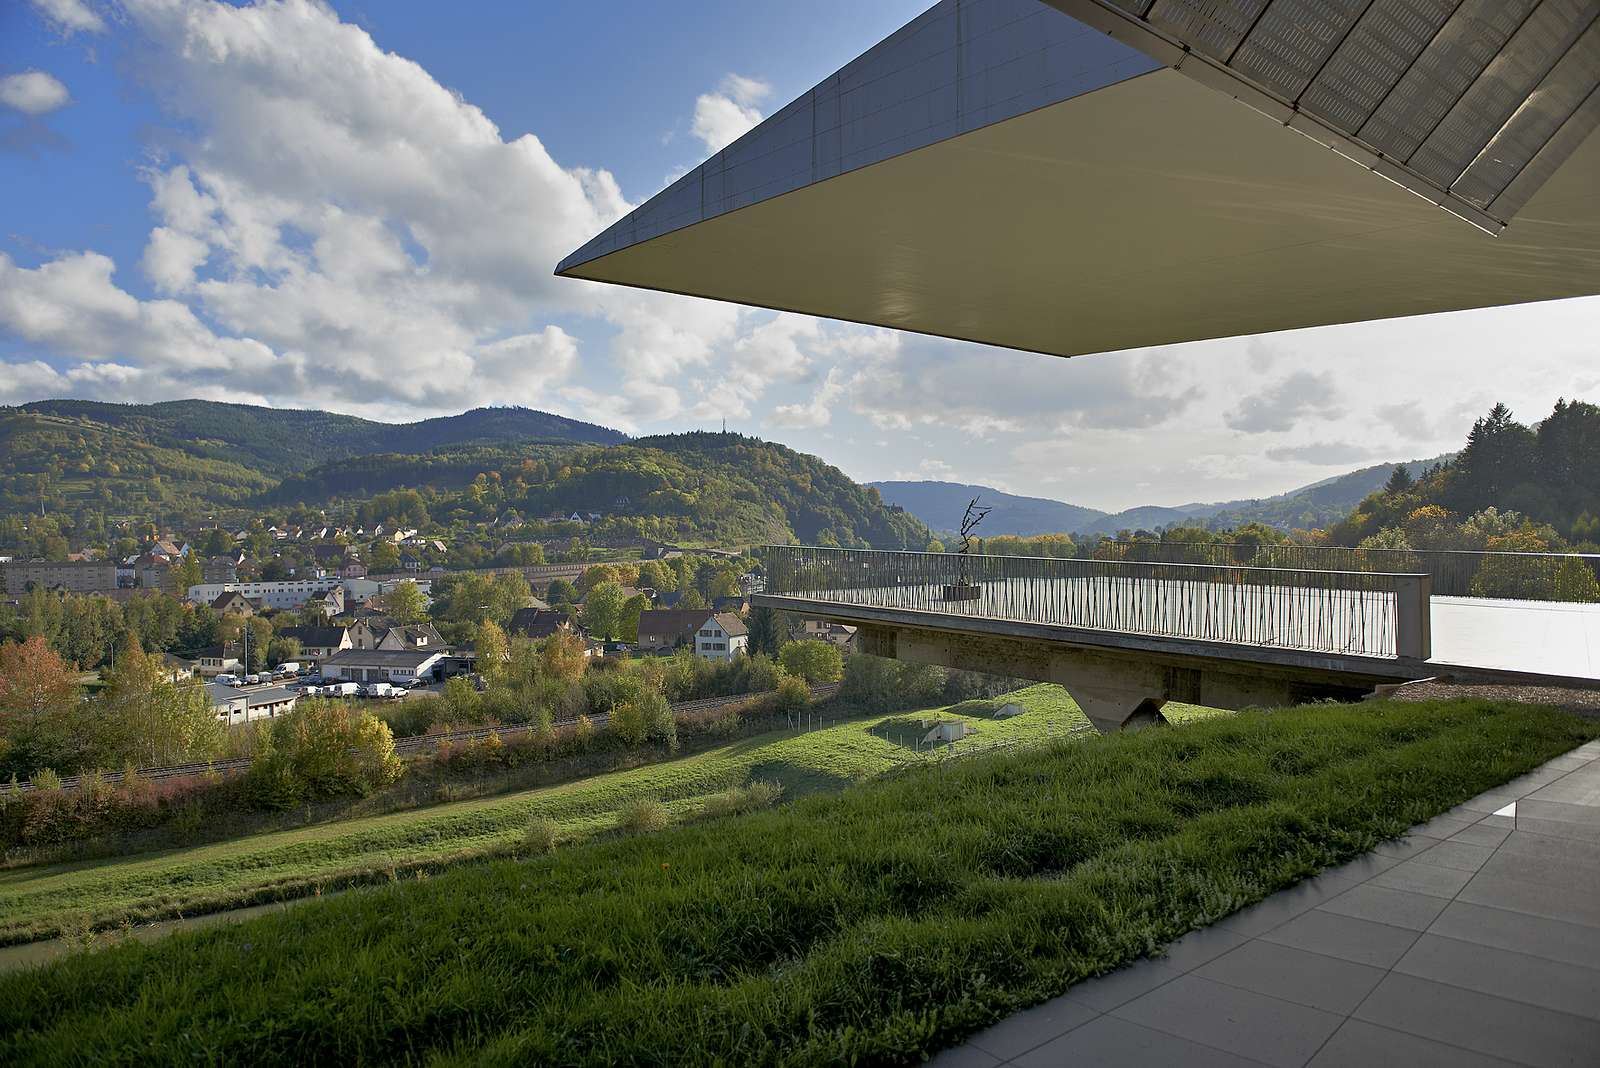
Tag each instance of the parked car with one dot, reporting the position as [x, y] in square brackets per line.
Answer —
[340, 689]
[288, 667]
[252, 680]
[227, 678]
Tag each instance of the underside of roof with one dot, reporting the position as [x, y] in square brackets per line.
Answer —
[1471, 103]
[1004, 172]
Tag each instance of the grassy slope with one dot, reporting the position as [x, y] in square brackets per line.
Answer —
[874, 925]
[40, 902]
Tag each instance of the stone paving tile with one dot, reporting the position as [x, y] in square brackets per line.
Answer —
[1577, 832]
[1033, 1027]
[1506, 974]
[1399, 849]
[1197, 947]
[1571, 943]
[1240, 1021]
[1481, 835]
[1397, 908]
[1358, 1044]
[968, 1056]
[1106, 992]
[1110, 1042]
[1444, 826]
[1536, 858]
[1496, 1026]
[1420, 877]
[1463, 856]
[1538, 899]
[1285, 905]
[1345, 937]
[1297, 975]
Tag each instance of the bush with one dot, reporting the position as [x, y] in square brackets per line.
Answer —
[643, 816]
[541, 835]
[814, 661]
[876, 684]
[742, 799]
[627, 723]
[793, 695]
[46, 779]
[323, 749]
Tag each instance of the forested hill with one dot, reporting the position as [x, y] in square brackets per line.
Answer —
[176, 458]
[725, 489]
[281, 440]
[940, 505]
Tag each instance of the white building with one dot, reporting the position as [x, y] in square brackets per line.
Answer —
[234, 706]
[381, 665]
[722, 636]
[284, 593]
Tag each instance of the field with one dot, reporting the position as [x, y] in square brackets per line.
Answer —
[39, 902]
[875, 924]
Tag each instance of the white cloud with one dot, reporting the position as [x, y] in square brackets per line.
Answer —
[33, 92]
[722, 117]
[816, 412]
[1290, 402]
[70, 16]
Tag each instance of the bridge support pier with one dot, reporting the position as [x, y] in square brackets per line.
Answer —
[1117, 689]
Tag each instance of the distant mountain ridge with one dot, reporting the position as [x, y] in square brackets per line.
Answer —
[280, 440]
[940, 505]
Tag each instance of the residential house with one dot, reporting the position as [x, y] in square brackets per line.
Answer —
[317, 643]
[353, 569]
[408, 562]
[723, 636]
[329, 602]
[412, 636]
[219, 659]
[234, 603]
[383, 665]
[176, 668]
[537, 623]
[825, 630]
[223, 569]
[736, 604]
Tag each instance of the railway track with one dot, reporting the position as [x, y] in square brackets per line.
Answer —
[419, 743]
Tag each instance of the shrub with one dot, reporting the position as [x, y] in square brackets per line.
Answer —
[541, 835]
[324, 749]
[742, 799]
[46, 779]
[583, 731]
[814, 661]
[793, 694]
[627, 723]
[643, 816]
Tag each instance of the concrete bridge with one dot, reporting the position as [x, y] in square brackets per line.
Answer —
[1125, 637]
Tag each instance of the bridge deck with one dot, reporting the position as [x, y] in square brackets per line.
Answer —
[1516, 638]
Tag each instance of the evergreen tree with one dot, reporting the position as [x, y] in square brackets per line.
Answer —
[1400, 481]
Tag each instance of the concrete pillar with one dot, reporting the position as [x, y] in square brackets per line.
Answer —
[1115, 696]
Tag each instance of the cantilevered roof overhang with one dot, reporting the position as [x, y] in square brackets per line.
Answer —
[1140, 173]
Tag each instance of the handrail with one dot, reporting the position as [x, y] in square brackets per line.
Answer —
[1363, 613]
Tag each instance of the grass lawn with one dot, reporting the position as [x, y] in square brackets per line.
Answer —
[875, 924]
[38, 902]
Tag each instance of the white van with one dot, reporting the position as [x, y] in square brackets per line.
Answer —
[252, 680]
[226, 679]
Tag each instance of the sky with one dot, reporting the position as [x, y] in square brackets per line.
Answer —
[357, 206]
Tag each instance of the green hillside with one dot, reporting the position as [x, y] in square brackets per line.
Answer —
[716, 488]
[183, 459]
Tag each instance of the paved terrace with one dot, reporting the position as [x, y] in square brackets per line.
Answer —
[1473, 941]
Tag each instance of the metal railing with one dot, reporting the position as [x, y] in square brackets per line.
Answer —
[1361, 613]
[1455, 572]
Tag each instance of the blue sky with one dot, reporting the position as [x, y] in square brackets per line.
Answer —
[357, 206]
